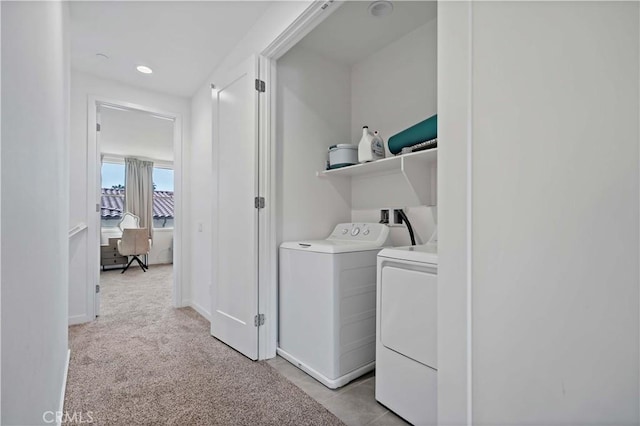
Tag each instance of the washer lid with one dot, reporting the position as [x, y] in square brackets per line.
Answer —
[346, 238]
[330, 246]
[425, 253]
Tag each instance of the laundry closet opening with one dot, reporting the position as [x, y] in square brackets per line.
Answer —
[368, 65]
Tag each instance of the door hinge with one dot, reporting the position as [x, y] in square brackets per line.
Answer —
[97, 127]
[260, 86]
[258, 320]
[97, 288]
[258, 202]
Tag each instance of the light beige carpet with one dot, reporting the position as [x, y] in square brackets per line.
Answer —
[143, 362]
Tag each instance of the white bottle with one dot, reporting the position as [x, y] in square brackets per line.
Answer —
[377, 146]
[371, 146]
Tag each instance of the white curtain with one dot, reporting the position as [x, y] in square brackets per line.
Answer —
[138, 188]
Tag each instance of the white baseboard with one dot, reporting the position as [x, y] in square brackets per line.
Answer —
[199, 309]
[79, 319]
[64, 388]
[167, 261]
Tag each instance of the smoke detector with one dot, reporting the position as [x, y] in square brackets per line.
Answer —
[380, 8]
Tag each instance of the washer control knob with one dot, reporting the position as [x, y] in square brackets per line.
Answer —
[366, 231]
[344, 231]
[355, 231]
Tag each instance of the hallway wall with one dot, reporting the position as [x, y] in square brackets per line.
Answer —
[538, 213]
[35, 203]
[270, 25]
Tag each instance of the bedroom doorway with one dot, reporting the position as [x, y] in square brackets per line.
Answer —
[138, 145]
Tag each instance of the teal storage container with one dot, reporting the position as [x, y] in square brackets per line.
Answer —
[421, 132]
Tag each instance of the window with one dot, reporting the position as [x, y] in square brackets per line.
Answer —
[113, 194]
[162, 198]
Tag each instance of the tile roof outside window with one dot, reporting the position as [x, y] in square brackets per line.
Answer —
[112, 205]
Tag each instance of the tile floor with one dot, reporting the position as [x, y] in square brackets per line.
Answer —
[355, 404]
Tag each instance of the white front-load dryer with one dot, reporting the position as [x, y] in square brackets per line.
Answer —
[406, 332]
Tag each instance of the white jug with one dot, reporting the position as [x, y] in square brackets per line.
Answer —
[371, 146]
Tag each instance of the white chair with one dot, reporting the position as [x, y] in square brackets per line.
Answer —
[134, 243]
[129, 220]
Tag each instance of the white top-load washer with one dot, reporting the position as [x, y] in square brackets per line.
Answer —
[327, 302]
[406, 328]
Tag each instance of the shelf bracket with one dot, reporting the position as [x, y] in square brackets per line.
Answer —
[421, 180]
[341, 184]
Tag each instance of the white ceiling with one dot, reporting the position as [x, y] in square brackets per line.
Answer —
[182, 41]
[135, 134]
[351, 34]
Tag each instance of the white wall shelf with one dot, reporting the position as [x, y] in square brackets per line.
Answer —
[419, 170]
[386, 165]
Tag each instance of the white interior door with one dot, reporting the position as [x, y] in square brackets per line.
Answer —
[235, 290]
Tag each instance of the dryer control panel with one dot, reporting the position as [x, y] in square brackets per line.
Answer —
[360, 232]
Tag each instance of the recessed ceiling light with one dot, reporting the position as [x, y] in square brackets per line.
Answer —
[144, 70]
[380, 8]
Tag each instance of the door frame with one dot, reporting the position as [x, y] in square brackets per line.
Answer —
[93, 197]
[317, 12]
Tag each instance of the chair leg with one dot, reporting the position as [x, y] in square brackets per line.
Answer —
[140, 263]
[128, 264]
